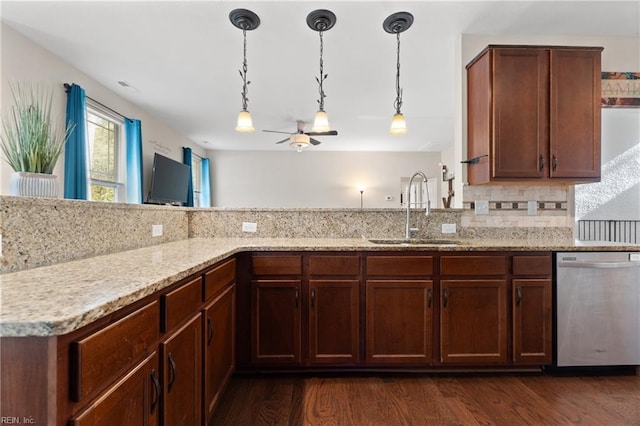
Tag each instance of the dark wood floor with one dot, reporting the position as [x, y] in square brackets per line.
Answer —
[386, 399]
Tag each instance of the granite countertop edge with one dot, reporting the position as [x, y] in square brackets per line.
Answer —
[64, 297]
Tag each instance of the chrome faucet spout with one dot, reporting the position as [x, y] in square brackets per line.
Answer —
[427, 210]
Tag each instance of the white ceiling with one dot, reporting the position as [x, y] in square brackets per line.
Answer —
[183, 58]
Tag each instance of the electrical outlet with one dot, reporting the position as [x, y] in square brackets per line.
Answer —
[532, 208]
[249, 227]
[448, 228]
[482, 207]
[156, 230]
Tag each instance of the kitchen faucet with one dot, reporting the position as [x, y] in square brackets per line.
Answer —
[408, 228]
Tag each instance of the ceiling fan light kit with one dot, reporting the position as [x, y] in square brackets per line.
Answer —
[321, 20]
[245, 20]
[396, 24]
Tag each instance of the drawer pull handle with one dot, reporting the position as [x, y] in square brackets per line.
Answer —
[542, 164]
[172, 376]
[429, 297]
[210, 331]
[518, 295]
[156, 388]
[445, 298]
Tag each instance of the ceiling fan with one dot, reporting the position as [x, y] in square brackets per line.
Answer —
[301, 139]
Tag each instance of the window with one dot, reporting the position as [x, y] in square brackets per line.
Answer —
[106, 155]
[196, 177]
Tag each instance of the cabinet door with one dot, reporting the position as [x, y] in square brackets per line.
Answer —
[532, 338]
[575, 114]
[182, 374]
[473, 322]
[333, 321]
[133, 400]
[275, 330]
[399, 321]
[219, 349]
[521, 113]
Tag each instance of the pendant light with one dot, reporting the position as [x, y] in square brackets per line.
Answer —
[245, 20]
[395, 24]
[321, 20]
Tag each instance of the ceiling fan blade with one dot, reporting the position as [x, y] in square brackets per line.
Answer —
[313, 141]
[276, 131]
[283, 141]
[329, 133]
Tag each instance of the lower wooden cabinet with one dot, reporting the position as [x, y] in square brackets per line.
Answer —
[333, 321]
[219, 347]
[133, 400]
[399, 322]
[532, 327]
[276, 317]
[182, 374]
[473, 322]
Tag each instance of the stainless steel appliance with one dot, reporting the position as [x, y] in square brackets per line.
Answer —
[598, 308]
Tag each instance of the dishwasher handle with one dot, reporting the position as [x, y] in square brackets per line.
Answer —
[597, 265]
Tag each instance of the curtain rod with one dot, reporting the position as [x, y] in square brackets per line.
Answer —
[67, 87]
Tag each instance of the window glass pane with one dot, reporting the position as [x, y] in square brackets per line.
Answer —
[103, 193]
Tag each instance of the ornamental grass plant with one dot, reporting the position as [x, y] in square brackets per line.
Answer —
[31, 139]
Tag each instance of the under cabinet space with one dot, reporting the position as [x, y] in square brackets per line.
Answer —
[100, 357]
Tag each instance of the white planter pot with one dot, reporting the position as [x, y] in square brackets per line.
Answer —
[33, 185]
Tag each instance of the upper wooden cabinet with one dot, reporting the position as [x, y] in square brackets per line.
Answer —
[533, 114]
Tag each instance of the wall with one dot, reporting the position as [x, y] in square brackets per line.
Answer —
[23, 60]
[315, 179]
[618, 195]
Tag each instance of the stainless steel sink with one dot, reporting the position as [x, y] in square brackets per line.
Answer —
[414, 241]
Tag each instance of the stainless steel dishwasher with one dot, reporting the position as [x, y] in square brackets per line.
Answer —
[598, 308]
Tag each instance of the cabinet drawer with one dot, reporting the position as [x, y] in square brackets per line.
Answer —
[532, 265]
[473, 265]
[399, 265]
[277, 265]
[109, 352]
[334, 265]
[180, 303]
[217, 278]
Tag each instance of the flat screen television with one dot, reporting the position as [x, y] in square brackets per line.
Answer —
[169, 181]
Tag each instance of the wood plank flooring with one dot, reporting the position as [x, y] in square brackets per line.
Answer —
[403, 399]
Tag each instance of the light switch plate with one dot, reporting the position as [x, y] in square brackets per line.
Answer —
[249, 227]
[482, 207]
[156, 230]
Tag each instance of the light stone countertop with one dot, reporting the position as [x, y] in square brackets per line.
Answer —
[55, 300]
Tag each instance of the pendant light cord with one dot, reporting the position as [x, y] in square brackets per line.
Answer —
[322, 75]
[398, 102]
[243, 73]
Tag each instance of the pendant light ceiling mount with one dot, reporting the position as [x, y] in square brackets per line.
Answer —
[321, 20]
[398, 22]
[244, 19]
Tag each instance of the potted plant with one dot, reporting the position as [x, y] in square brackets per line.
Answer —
[32, 141]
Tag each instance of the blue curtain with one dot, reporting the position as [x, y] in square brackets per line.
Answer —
[75, 150]
[205, 194]
[186, 159]
[133, 137]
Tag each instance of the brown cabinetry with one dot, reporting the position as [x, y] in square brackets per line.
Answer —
[533, 114]
[219, 344]
[532, 310]
[399, 310]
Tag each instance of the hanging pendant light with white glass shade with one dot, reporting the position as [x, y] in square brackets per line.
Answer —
[395, 24]
[321, 20]
[245, 20]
